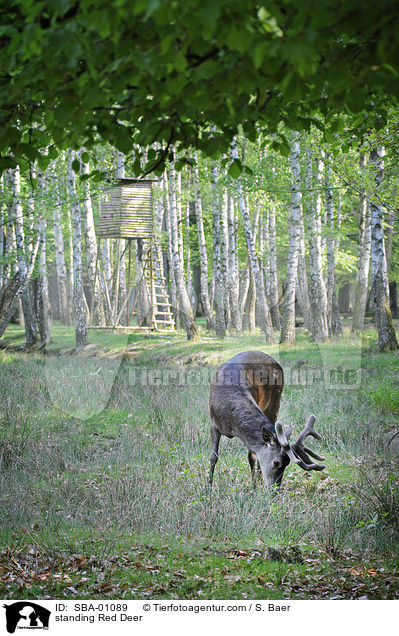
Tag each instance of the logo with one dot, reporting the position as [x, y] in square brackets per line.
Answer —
[26, 615]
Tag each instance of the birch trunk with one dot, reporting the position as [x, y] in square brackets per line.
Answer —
[70, 254]
[65, 313]
[318, 295]
[78, 302]
[2, 236]
[10, 232]
[266, 326]
[106, 277]
[95, 301]
[273, 279]
[189, 277]
[144, 316]
[264, 249]
[363, 267]
[179, 216]
[379, 273]
[13, 290]
[246, 277]
[224, 249]
[29, 318]
[334, 321]
[121, 248]
[390, 218]
[185, 309]
[205, 302]
[249, 319]
[234, 284]
[288, 314]
[218, 302]
[41, 297]
[173, 290]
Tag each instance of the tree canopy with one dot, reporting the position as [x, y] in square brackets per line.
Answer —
[74, 72]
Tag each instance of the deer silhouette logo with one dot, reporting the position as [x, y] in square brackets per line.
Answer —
[27, 615]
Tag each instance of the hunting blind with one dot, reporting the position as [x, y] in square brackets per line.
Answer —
[126, 214]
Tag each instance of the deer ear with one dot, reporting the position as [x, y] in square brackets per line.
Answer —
[267, 435]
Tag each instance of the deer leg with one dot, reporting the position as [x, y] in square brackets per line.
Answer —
[254, 466]
[215, 436]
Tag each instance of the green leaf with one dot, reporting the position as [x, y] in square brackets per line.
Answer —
[30, 152]
[44, 161]
[235, 169]
[76, 165]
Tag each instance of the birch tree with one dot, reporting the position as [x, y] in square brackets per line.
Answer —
[266, 325]
[364, 253]
[334, 321]
[60, 254]
[224, 251]
[318, 295]
[13, 289]
[185, 309]
[9, 238]
[41, 296]
[120, 246]
[205, 302]
[273, 278]
[379, 273]
[2, 233]
[173, 288]
[78, 301]
[96, 301]
[29, 318]
[218, 302]
[233, 274]
[288, 313]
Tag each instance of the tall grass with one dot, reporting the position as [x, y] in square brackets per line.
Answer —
[139, 466]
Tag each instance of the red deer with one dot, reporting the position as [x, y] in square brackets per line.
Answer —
[244, 403]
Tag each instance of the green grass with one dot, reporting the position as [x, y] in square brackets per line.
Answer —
[103, 475]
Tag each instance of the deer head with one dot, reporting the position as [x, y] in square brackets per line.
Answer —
[277, 452]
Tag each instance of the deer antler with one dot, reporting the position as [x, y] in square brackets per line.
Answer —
[297, 452]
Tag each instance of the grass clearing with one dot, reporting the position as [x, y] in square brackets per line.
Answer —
[104, 459]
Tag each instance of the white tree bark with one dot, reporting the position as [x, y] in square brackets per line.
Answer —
[2, 234]
[224, 248]
[42, 300]
[189, 277]
[288, 314]
[334, 321]
[264, 249]
[78, 302]
[363, 266]
[185, 309]
[29, 318]
[173, 288]
[96, 301]
[205, 302]
[379, 274]
[267, 326]
[234, 283]
[9, 247]
[273, 278]
[318, 295]
[13, 290]
[65, 312]
[121, 247]
[218, 302]
[179, 216]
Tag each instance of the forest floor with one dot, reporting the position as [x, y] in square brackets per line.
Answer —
[103, 463]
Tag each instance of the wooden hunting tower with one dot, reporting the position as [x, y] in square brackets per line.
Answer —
[126, 214]
[126, 210]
